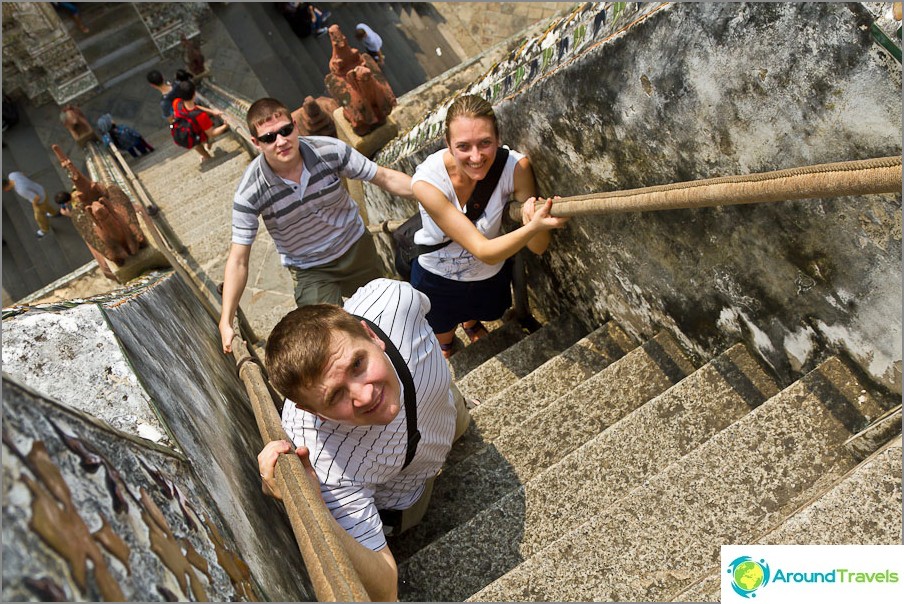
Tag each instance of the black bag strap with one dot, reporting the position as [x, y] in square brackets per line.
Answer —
[477, 203]
[414, 436]
[484, 189]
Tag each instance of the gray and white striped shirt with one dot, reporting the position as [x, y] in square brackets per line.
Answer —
[360, 467]
[312, 222]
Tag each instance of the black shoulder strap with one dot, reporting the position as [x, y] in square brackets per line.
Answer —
[484, 190]
[401, 368]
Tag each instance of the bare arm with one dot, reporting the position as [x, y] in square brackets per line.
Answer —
[234, 279]
[525, 189]
[216, 112]
[393, 182]
[377, 569]
[457, 226]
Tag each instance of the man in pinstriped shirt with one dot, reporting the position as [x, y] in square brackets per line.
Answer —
[348, 420]
[294, 185]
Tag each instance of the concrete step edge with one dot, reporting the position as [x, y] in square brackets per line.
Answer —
[821, 526]
[522, 357]
[592, 353]
[797, 436]
[473, 355]
[595, 475]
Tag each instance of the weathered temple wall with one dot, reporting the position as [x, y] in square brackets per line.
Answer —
[155, 346]
[677, 92]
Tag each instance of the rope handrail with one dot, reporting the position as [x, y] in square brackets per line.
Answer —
[839, 179]
[133, 182]
[329, 567]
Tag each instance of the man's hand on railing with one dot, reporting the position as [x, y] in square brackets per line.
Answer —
[266, 464]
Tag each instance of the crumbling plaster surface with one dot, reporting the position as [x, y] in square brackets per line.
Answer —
[137, 491]
[699, 90]
[155, 336]
[73, 356]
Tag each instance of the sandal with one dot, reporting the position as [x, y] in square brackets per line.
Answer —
[448, 349]
[475, 332]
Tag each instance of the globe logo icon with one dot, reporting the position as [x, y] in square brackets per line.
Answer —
[748, 575]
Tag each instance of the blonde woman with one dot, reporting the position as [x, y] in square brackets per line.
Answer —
[468, 281]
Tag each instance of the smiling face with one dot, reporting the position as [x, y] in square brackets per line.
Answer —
[358, 385]
[473, 142]
[283, 153]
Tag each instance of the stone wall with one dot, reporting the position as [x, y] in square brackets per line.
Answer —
[180, 518]
[663, 93]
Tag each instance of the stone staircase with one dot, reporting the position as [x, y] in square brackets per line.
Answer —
[196, 207]
[119, 44]
[597, 468]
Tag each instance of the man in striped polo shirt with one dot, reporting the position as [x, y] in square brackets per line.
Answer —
[345, 413]
[294, 184]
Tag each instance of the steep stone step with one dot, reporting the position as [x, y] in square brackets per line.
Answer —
[474, 355]
[118, 43]
[520, 359]
[882, 430]
[192, 198]
[752, 474]
[554, 378]
[464, 489]
[590, 479]
[651, 438]
[552, 433]
[864, 508]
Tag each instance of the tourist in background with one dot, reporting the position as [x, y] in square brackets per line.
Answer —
[373, 43]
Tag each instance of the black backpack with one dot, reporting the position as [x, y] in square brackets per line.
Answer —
[405, 250]
[185, 129]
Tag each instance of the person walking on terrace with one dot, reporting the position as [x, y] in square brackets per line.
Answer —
[32, 192]
[372, 41]
[294, 184]
[361, 382]
[468, 280]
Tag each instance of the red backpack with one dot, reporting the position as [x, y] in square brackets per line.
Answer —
[185, 130]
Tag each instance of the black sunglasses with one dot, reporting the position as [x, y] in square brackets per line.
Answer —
[270, 137]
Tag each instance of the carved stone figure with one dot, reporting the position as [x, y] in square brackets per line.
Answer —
[191, 55]
[77, 124]
[104, 216]
[315, 116]
[344, 56]
[358, 85]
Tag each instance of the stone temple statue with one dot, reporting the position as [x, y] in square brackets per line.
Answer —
[315, 116]
[104, 216]
[358, 85]
[77, 124]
